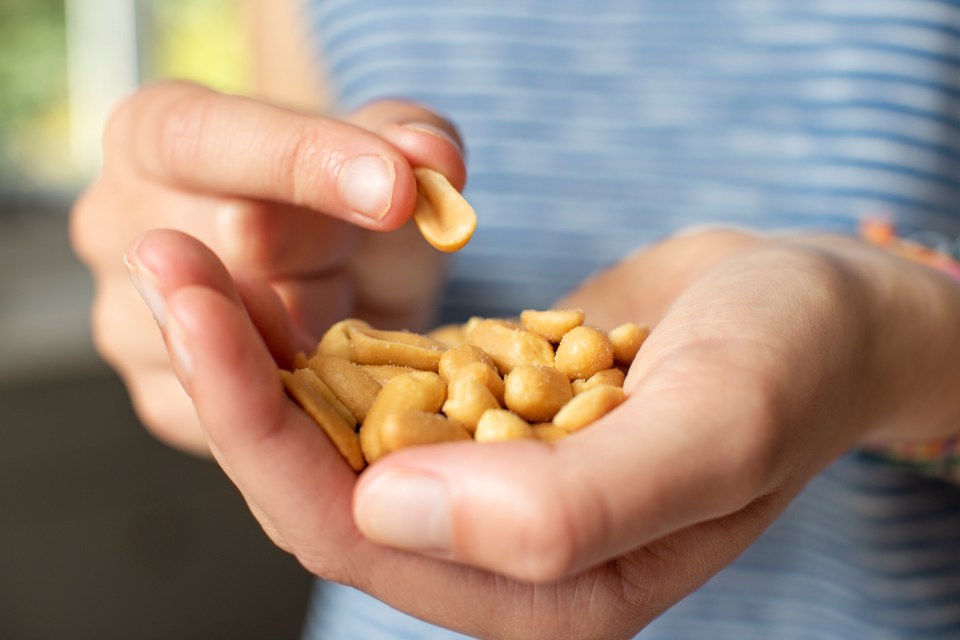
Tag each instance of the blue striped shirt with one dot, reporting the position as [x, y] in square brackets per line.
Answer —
[595, 127]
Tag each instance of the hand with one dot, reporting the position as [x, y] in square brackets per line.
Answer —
[769, 357]
[282, 198]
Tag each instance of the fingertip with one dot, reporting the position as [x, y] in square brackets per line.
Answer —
[426, 144]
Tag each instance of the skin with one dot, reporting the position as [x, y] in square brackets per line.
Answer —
[770, 356]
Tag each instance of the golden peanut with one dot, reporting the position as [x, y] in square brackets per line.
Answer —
[456, 358]
[384, 372]
[627, 340]
[510, 347]
[536, 392]
[449, 334]
[583, 351]
[414, 428]
[498, 425]
[548, 432]
[401, 348]
[302, 386]
[588, 407]
[417, 391]
[336, 340]
[467, 400]
[444, 218]
[483, 373]
[551, 324]
[612, 376]
[355, 388]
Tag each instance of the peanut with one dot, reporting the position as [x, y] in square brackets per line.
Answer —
[413, 428]
[444, 218]
[417, 391]
[583, 351]
[499, 425]
[456, 358]
[588, 407]
[536, 392]
[627, 340]
[552, 324]
[395, 347]
[349, 383]
[510, 347]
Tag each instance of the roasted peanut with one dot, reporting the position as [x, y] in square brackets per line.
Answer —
[467, 400]
[552, 324]
[449, 334]
[413, 428]
[456, 358]
[401, 348]
[588, 407]
[583, 351]
[536, 392]
[384, 372]
[485, 374]
[548, 432]
[302, 386]
[498, 425]
[352, 386]
[613, 376]
[444, 218]
[627, 340]
[510, 347]
[417, 391]
[336, 339]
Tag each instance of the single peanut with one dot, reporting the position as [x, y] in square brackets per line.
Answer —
[302, 386]
[583, 351]
[498, 425]
[510, 347]
[536, 392]
[395, 347]
[612, 376]
[336, 340]
[384, 372]
[456, 358]
[467, 400]
[417, 391]
[413, 428]
[355, 388]
[485, 374]
[588, 407]
[551, 324]
[444, 218]
[548, 432]
[627, 340]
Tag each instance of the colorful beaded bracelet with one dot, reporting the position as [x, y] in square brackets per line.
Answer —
[940, 458]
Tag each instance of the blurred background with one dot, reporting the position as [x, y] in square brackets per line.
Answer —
[104, 532]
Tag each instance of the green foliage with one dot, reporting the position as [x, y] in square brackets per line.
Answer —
[32, 58]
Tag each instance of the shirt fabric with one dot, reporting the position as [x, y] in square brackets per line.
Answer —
[595, 127]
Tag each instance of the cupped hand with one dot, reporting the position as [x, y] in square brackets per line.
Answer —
[769, 357]
[281, 197]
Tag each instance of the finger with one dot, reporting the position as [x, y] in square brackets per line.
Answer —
[197, 139]
[667, 459]
[426, 138]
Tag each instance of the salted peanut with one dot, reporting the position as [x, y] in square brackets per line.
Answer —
[548, 432]
[449, 334]
[627, 340]
[551, 324]
[483, 373]
[384, 372]
[402, 348]
[467, 400]
[321, 387]
[444, 217]
[588, 407]
[416, 391]
[612, 376]
[413, 428]
[355, 388]
[301, 385]
[510, 347]
[456, 358]
[536, 392]
[336, 340]
[583, 351]
[498, 425]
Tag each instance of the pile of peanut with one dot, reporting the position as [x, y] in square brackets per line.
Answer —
[542, 376]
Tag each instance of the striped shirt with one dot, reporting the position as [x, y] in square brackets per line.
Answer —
[595, 127]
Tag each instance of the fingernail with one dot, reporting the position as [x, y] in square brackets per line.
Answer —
[433, 129]
[147, 286]
[406, 509]
[179, 352]
[366, 185]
